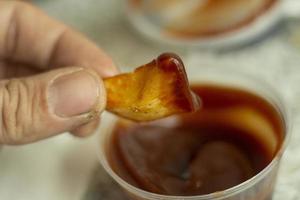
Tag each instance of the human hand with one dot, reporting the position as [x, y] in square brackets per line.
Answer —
[50, 77]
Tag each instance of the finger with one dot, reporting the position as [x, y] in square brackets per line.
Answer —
[81, 53]
[14, 70]
[29, 36]
[44, 105]
[86, 129]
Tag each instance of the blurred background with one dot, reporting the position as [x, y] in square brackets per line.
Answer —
[263, 39]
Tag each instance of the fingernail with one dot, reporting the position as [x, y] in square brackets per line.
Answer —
[74, 94]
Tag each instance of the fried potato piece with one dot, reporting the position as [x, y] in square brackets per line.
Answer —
[153, 91]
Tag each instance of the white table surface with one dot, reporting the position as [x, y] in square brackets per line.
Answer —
[61, 167]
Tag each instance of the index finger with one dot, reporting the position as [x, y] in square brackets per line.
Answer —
[29, 36]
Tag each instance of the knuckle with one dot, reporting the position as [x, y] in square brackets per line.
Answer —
[14, 111]
[12, 31]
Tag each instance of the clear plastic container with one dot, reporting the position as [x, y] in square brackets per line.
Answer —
[204, 23]
[259, 187]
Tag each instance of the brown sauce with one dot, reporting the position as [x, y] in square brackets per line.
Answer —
[232, 138]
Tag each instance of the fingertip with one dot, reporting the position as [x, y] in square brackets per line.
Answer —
[107, 67]
[86, 129]
[109, 70]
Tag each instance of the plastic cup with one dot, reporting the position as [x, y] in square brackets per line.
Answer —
[259, 187]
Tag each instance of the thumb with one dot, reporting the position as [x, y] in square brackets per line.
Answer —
[37, 107]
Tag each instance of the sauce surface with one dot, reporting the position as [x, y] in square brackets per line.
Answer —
[232, 138]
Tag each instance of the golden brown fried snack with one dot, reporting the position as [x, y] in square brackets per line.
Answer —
[155, 90]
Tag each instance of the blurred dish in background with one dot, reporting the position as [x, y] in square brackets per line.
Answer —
[215, 23]
[202, 18]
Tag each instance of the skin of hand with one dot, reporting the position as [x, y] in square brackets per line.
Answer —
[50, 77]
